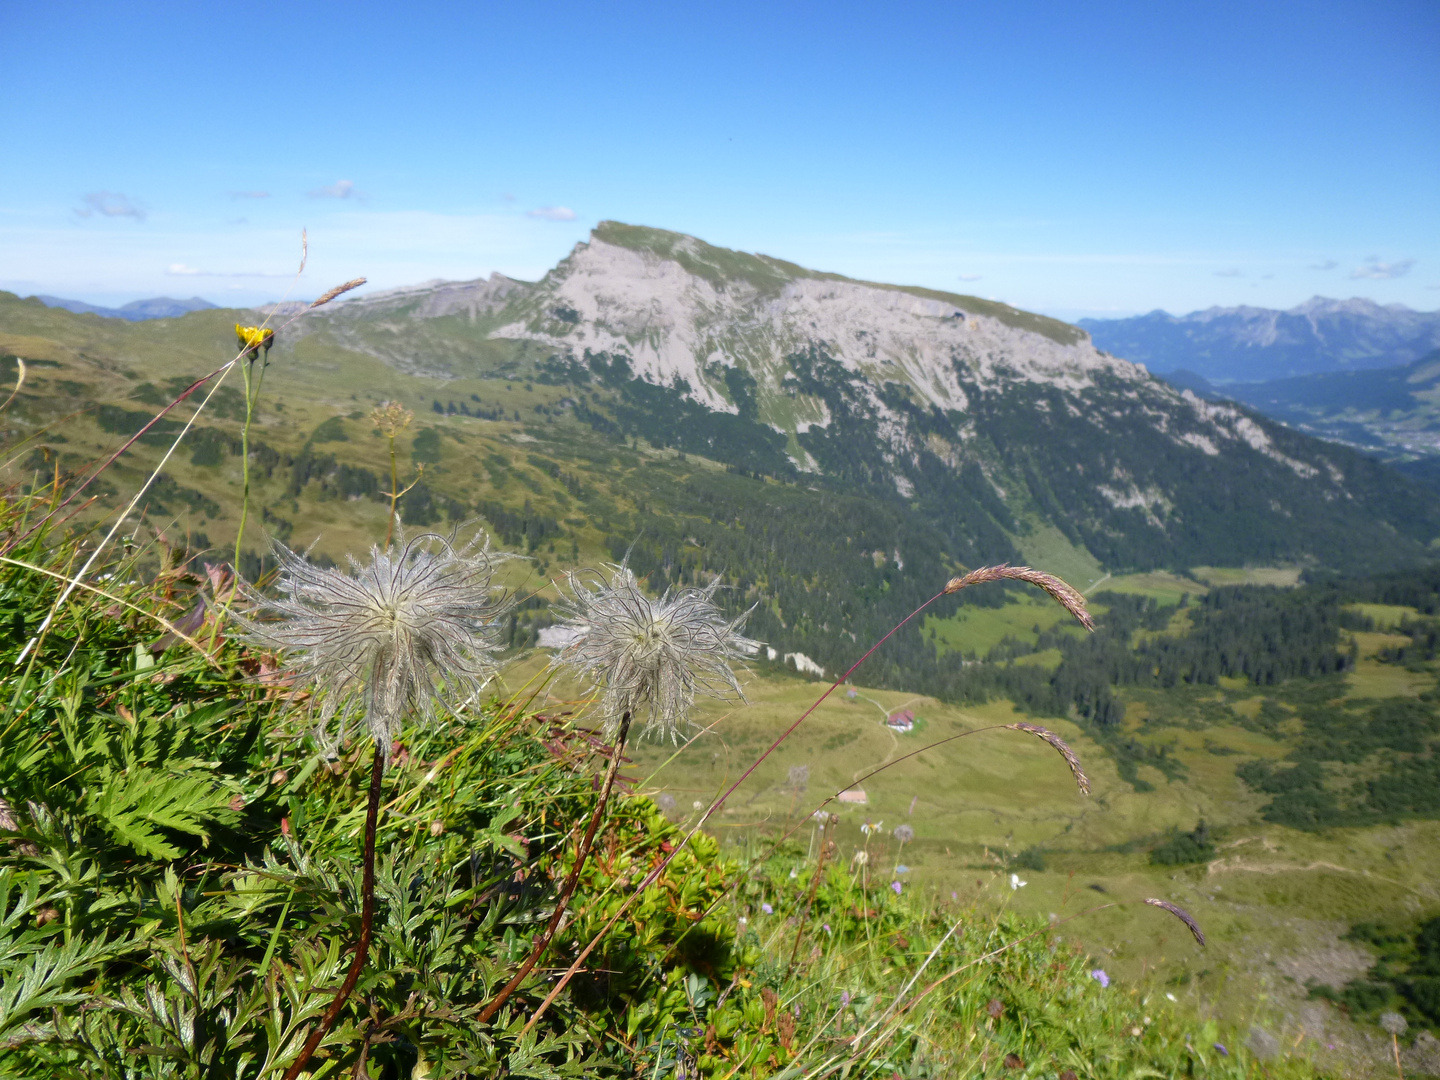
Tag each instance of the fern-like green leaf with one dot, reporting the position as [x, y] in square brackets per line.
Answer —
[136, 804]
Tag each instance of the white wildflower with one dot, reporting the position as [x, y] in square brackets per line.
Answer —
[397, 634]
[649, 658]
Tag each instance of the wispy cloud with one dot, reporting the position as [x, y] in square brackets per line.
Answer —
[1382, 271]
[251, 194]
[111, 204]
[1231, 272]
[969, 277]
[184, 270]
[341, 189]
[552, 213]
[1324, 264]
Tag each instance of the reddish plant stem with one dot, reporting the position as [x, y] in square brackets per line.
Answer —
[568, 889]
[126, 446]
[367, 923]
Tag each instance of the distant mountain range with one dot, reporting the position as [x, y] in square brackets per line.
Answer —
[158, 307]
[1249, 344]
[1393, 412]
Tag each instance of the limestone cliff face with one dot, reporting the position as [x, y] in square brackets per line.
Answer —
[978, 413]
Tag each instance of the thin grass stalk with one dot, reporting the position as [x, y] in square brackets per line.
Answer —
[899, 1009]
[19, 382]
[1061, 592]
[367, 923]
[1058, 590]
[654, 874]
[827, 801]
[394, 492]
[567, 890]
[252, 396]
[221, 371]
[182, 396]
[38, 639]
[164, 622]
[810, 896]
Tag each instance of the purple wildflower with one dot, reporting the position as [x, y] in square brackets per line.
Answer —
[896, 886]
[1221, 1048]
[767, 909]
[1099, 976]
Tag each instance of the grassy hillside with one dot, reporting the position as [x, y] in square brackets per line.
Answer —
[1299, 726]
[1289, 876]
[178, 889]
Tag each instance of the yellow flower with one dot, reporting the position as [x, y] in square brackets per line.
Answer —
[252, 339]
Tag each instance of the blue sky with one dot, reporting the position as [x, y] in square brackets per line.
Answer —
[1068, 158]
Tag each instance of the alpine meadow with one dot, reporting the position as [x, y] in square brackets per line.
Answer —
[690, 664]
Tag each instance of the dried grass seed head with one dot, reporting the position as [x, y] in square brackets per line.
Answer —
[403, 632]
[1062, 747]
[649, 657]
[1060, 591]
[1181, 914]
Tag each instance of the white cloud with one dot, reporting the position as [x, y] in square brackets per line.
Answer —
[1231, 272]
[111, 204]
[1324, 264]
[251, 194]
[341, 189]
[182, 270]
[552, 213]
[969, 277]
[1382, 271]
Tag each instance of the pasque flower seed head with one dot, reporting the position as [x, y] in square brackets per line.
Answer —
[400, 633]
[649, 657]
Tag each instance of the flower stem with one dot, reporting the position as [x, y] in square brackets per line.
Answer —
[367, 923]
[394, 492]
[568, 889]
[252, 392]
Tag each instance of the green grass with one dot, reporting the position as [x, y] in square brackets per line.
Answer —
[1046, 546]
[1257, 575]
[979, 629]
[189, 889]
[981, 800]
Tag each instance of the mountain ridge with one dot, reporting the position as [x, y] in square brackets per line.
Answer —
[1250, 344]
[971, 409]
[977, 426]
[156, 307]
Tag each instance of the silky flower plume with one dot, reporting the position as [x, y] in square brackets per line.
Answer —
[649, 658]
[401, 633]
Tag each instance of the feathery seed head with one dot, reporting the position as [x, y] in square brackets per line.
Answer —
[397, 634]
[904, 833]
[649, 657]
